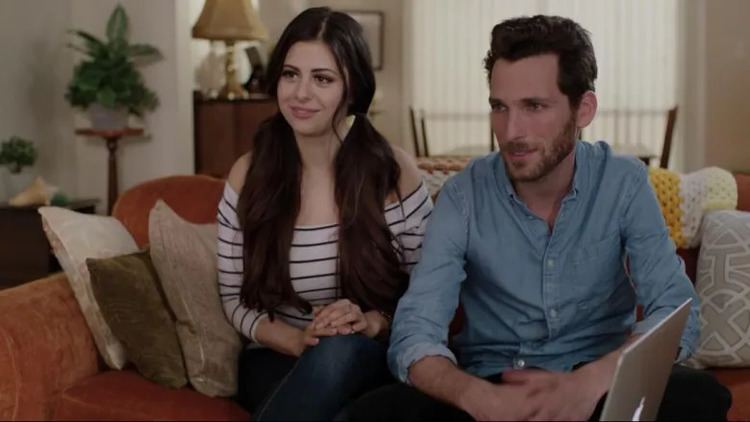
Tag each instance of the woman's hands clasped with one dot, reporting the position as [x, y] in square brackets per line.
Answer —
[342, 317]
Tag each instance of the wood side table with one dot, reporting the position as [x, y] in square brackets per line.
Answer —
[25, 253]
[111, 136]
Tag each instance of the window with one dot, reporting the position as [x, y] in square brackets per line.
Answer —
[636, 47]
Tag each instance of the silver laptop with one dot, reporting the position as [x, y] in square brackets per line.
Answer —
[643, 370]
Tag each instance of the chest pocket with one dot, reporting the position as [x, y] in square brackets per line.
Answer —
[592, 270]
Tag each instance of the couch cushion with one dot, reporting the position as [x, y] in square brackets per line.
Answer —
[184, 256]
[690, 257]
[125, 395]
[738, 383]
[194, 197]
[45, 347]
[743, 191]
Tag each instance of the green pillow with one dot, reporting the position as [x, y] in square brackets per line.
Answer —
[132, 301]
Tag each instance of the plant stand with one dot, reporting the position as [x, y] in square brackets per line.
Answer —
[111, 136]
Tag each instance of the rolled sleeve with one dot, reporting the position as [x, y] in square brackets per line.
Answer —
[657, 271]
[420, 325]
[411, 354]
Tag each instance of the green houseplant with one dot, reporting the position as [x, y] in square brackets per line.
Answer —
[17, 153]
[107, 81]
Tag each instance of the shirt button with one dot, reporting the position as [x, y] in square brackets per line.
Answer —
[550, 263]
[519, 364]
[553, 313]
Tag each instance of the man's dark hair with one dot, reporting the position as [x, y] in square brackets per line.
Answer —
[523, 37]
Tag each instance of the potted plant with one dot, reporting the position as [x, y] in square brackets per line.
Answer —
[17, 153]
[107, 83]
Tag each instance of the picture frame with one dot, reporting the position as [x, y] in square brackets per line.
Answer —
[372, 22]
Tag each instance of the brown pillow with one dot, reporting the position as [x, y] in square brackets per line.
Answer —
[132, 301]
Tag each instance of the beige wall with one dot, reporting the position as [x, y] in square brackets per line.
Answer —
[727, 130]
[36, 67]
[716, 85]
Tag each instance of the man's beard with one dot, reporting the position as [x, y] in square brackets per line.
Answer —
[551, 156]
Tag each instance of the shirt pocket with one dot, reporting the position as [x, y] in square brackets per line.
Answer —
[593, 269]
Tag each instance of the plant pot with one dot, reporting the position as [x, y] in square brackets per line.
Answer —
[16, 182]
[103, 118]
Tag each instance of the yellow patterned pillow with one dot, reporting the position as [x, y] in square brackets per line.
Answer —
[685, 198]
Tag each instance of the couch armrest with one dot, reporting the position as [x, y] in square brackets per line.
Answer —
[45, 347]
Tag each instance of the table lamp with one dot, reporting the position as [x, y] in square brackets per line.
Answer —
[229, 21]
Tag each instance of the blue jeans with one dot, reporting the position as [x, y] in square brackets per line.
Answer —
[326, 378]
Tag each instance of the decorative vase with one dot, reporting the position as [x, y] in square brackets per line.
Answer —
[104, 118]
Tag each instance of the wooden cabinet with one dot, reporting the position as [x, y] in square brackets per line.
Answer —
[25, 254]
[224, 130]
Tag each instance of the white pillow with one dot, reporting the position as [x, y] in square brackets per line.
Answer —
[74, 238]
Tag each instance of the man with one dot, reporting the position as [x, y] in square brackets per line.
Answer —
[533, 242]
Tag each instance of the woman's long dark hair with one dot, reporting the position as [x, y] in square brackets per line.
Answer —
[365, 173]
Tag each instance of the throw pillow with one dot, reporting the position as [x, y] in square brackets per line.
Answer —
[184, 256]
[686, 198]
[132, 301]
[723, 286]
[74, 238]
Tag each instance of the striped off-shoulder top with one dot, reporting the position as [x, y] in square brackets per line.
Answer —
[312, 259]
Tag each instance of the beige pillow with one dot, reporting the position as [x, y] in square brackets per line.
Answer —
[74, 238]
[723, 285]
[184, 256]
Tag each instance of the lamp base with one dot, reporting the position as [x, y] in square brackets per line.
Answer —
[232, 90]
[229, 92]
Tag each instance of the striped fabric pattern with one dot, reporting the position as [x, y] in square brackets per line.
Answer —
[313, 258]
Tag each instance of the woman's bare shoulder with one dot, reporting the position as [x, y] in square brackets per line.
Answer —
[238, 172]
[411, 177]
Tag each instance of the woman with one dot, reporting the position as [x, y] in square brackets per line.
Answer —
[319, 226]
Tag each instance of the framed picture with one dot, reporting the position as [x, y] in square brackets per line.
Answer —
[372, 24]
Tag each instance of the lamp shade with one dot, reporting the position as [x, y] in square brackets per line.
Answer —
[229, 20]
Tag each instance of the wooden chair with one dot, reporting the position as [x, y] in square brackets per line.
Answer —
[668, 133]
[418, 136]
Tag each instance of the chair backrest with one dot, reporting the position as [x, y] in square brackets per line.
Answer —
[668, 134]
[423, 124]
[414, 134]
[193, 197]
[420, 136]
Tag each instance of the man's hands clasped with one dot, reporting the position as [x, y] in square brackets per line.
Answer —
[535, 395]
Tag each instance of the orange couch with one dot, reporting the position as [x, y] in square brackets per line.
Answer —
[49, 366]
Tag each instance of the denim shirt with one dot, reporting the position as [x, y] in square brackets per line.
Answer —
[534, 297]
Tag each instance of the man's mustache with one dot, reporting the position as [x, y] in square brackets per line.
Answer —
[514, 147]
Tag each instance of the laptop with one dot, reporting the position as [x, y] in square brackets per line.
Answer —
[643, 370]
